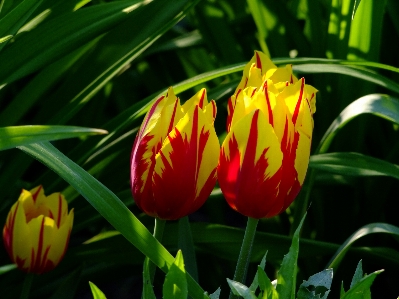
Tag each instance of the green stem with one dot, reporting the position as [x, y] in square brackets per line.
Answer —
[26, 286]
[245, 253]
[186, 244]
[158, 234]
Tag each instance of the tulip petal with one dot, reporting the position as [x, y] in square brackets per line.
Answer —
[159, 121]
[185, 167]
[249, 166]
[61, 239]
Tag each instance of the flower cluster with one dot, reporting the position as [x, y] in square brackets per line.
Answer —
[262, 162]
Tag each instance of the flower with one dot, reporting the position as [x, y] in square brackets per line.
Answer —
[265, 155]
[37, 230]
[175, 156]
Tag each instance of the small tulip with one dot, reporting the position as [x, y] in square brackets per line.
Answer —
[265, 156]
[175, 156]
[37, 230]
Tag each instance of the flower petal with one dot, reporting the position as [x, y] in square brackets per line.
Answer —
[185, 167]
[249, 165]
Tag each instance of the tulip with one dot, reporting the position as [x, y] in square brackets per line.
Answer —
[175, 156]
[265, 155]
[37, 230]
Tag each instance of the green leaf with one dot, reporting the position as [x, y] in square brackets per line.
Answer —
[377, 104]
[186, 245]
[109, 206]
[269, 292]
[60, 36]
[97, 294]
[286, 278]
[21, 135]
[355, 6]
[14, 20]
[363, 231]
[148, 290]
[6, 268]
[353, 71]
[215, 294]
[69, 285]
[175, 285]
[358, 275]
[362, 288]
[239, 289]
[353, 164]
[321, 279]
[115, 51]
[255, 282]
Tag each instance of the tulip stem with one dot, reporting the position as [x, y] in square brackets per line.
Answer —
[158, 234]
[26, 286]
[245, 253]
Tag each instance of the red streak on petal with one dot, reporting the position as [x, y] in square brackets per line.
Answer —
[172, 119]
[230, 112]
[175, 190]
[59, 210]
[269, 107]
[143, 198]
[201, 102]
[37, 259]
[245, 85]
[213, 109]
[34, 196]
[289, 186]
[253, 92]
[298, 103]
[258, 61]
[8, 233]
[246, 188]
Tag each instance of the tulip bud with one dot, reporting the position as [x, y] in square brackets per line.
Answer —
[265, 156]
[37, 230]
[175, 156]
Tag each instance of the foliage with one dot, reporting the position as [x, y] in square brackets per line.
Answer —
[70, 66]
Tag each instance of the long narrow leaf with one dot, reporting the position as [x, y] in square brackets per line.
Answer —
[380, 105]
[14, 20]
[109, 206]
[59, 36]
[363, 231]
[21, 135]
[353, 164]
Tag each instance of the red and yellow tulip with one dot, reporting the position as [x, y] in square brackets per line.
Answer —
[265, 156]
[37, 230]
[175, 156]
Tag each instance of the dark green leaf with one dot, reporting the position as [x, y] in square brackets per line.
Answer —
[358, 275]
[69, 285]
[286, 278]
[14, 20]
[362, 289]
[363, 231]
[353, 164]
[21, 135]
[59, 36]
[377, 104]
